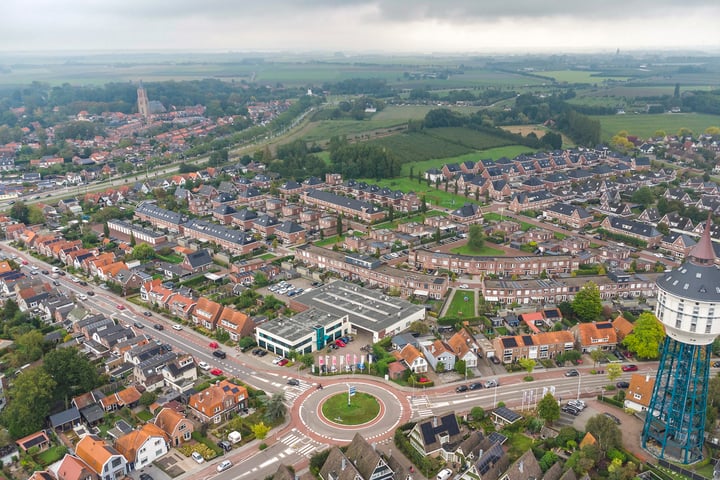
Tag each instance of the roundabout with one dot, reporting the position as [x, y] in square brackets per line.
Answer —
[375, 411]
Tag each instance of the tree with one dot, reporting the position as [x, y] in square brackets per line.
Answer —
[260, 430]
[605, 431]
[147, 398]
[644, 196]
[597, 356]
[460, 367]
[339, 226]
[419, 327]
[477, 413]
[548, 408]
[306, 360]
[143, 252]
[35, 215]
[20, 212]
[246, 342]
[133, 242]
[423, 204]
[30, 400]
[29, 346]
[527, 364]
[106, 230]
[275, 409]
[614, 370]
[476, 237]
[586, 304]
[646, 337]
[72, 371]
[260, 279]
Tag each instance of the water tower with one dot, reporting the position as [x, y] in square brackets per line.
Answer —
[688, 305]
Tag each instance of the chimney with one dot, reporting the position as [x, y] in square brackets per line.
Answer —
[435, 421]
[343, 464]
[521, 466]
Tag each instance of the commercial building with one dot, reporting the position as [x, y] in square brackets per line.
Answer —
[305, 332]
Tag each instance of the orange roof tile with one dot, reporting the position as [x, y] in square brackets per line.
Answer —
[73, 468]
[640, 390]
[168, 420]
[622, 326]
[129, 444]
[129, 395]
[589, 334]
[94, 451]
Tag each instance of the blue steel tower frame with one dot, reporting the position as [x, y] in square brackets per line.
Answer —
[675, 423]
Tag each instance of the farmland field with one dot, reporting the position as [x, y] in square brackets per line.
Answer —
[645, 126]
[467, 137]
[578, 76]
[325, 129]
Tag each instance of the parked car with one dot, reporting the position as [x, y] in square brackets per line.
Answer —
[716, 364]
[572, 373]
[216, 371]
[339, 343]
[570, 409]
[219, 354]
[225, 445]
[629, 368]
[464, 285]
[461, 388]
[213, 345]
[145, 476]
[444, 474]
[197, 457]
[283, 362]
[613, 418]
[475, 386]
[579, 404]
[491, 383]
[622, 384]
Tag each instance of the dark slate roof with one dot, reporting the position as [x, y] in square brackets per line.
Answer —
[567, 209]
[345, 202]
[507, 414]
[213, 230]
[290, 185]
[92, 413]
[266, 220]
[631, 226]
[693, 282]
[224, 210]
[288, 226]
[467, 210]
[199, 258]
[72, 414]
[246, 214]
[154, 211]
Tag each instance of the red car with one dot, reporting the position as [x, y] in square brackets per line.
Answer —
[216, 371]
[120, 307]
[629, 368]
[339, 343]
[283, 362]
[214, 345]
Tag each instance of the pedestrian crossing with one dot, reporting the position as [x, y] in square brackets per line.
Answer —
[421, 406]
[300, 443]
[294, 391]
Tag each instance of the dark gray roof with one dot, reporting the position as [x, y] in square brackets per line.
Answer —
[346, 202]
[693, 282]
[72, 414]
[213, 230]
[567, 209]
[154, 211]
[288, 226]
[199, 258]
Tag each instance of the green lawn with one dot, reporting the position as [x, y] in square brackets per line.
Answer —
[330, 241]
[144, 415]
[420, 218]
[461, 308]
[483, 252]
[51, 455]
[267, 256]
[519, 444]
[363, 408]
[645, 126]
[172, 258]
[510, 151]
[433, 196]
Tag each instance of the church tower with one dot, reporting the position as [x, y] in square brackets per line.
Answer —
[142, 102]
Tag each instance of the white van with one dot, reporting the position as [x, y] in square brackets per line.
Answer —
[234, 437]
[444, 474]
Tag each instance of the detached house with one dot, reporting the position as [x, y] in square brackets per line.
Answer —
[73, 468]
[639, 393]
[206, 313]
[412, 358]
[430, 436]
[143, 446]
[219, 402]
[175, 425]
[439, 352]
[102, 459]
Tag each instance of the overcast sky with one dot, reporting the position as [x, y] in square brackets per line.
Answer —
[359, 25]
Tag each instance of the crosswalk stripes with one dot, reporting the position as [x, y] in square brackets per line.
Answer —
[421, 405]
[292, 392]
[302, 444]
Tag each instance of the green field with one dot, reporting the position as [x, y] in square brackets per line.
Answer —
[403, 113]
[433, 196]
[483, 252]
[325, 129]
[645, 126]
[510, 151]
[362, 408]
[461, 308]
[578, 76]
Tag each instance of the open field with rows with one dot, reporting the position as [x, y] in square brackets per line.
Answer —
[644, 126]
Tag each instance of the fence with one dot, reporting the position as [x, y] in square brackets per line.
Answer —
[680, 470]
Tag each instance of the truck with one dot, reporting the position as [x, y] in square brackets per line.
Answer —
[234, 436]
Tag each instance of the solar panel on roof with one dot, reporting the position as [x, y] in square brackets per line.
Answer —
[496, 437]
[489, 458]
[602, 326]
[509, 342]
[428, 433]
[449, 423]
[507, 414]
[527, 340]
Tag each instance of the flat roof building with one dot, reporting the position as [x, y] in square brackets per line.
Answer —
[368, 310]
[305, 332]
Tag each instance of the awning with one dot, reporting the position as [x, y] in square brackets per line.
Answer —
[424, 293]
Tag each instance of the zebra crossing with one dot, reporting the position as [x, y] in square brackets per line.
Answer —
[300, 443]
[294, 391]
[421, 406]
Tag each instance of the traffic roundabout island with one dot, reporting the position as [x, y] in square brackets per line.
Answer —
[375, 410]
[345, 409]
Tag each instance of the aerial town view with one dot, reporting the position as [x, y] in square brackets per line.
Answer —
[367, 240]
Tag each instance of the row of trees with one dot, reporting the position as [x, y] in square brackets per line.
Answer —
[358, 160]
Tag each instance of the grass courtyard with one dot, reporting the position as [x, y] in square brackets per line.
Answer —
[462, 304]
[363, 407]
[485, 251]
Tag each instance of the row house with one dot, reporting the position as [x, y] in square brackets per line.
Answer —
[265, 225]
[469, 213]
[541, 346]
[499, 190]
[127, 397]
[149, 373]
[531, 201]
[373, 273]
[236, 324]
[422, 258]
[595, 336]
[159, 217]
[141, 234]
[679, 244]
[244, 218]
[634, 229]
[290, 233]
[571, 215]
[206, 313]
[350, 207]
[675, 221]
[232, 240]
